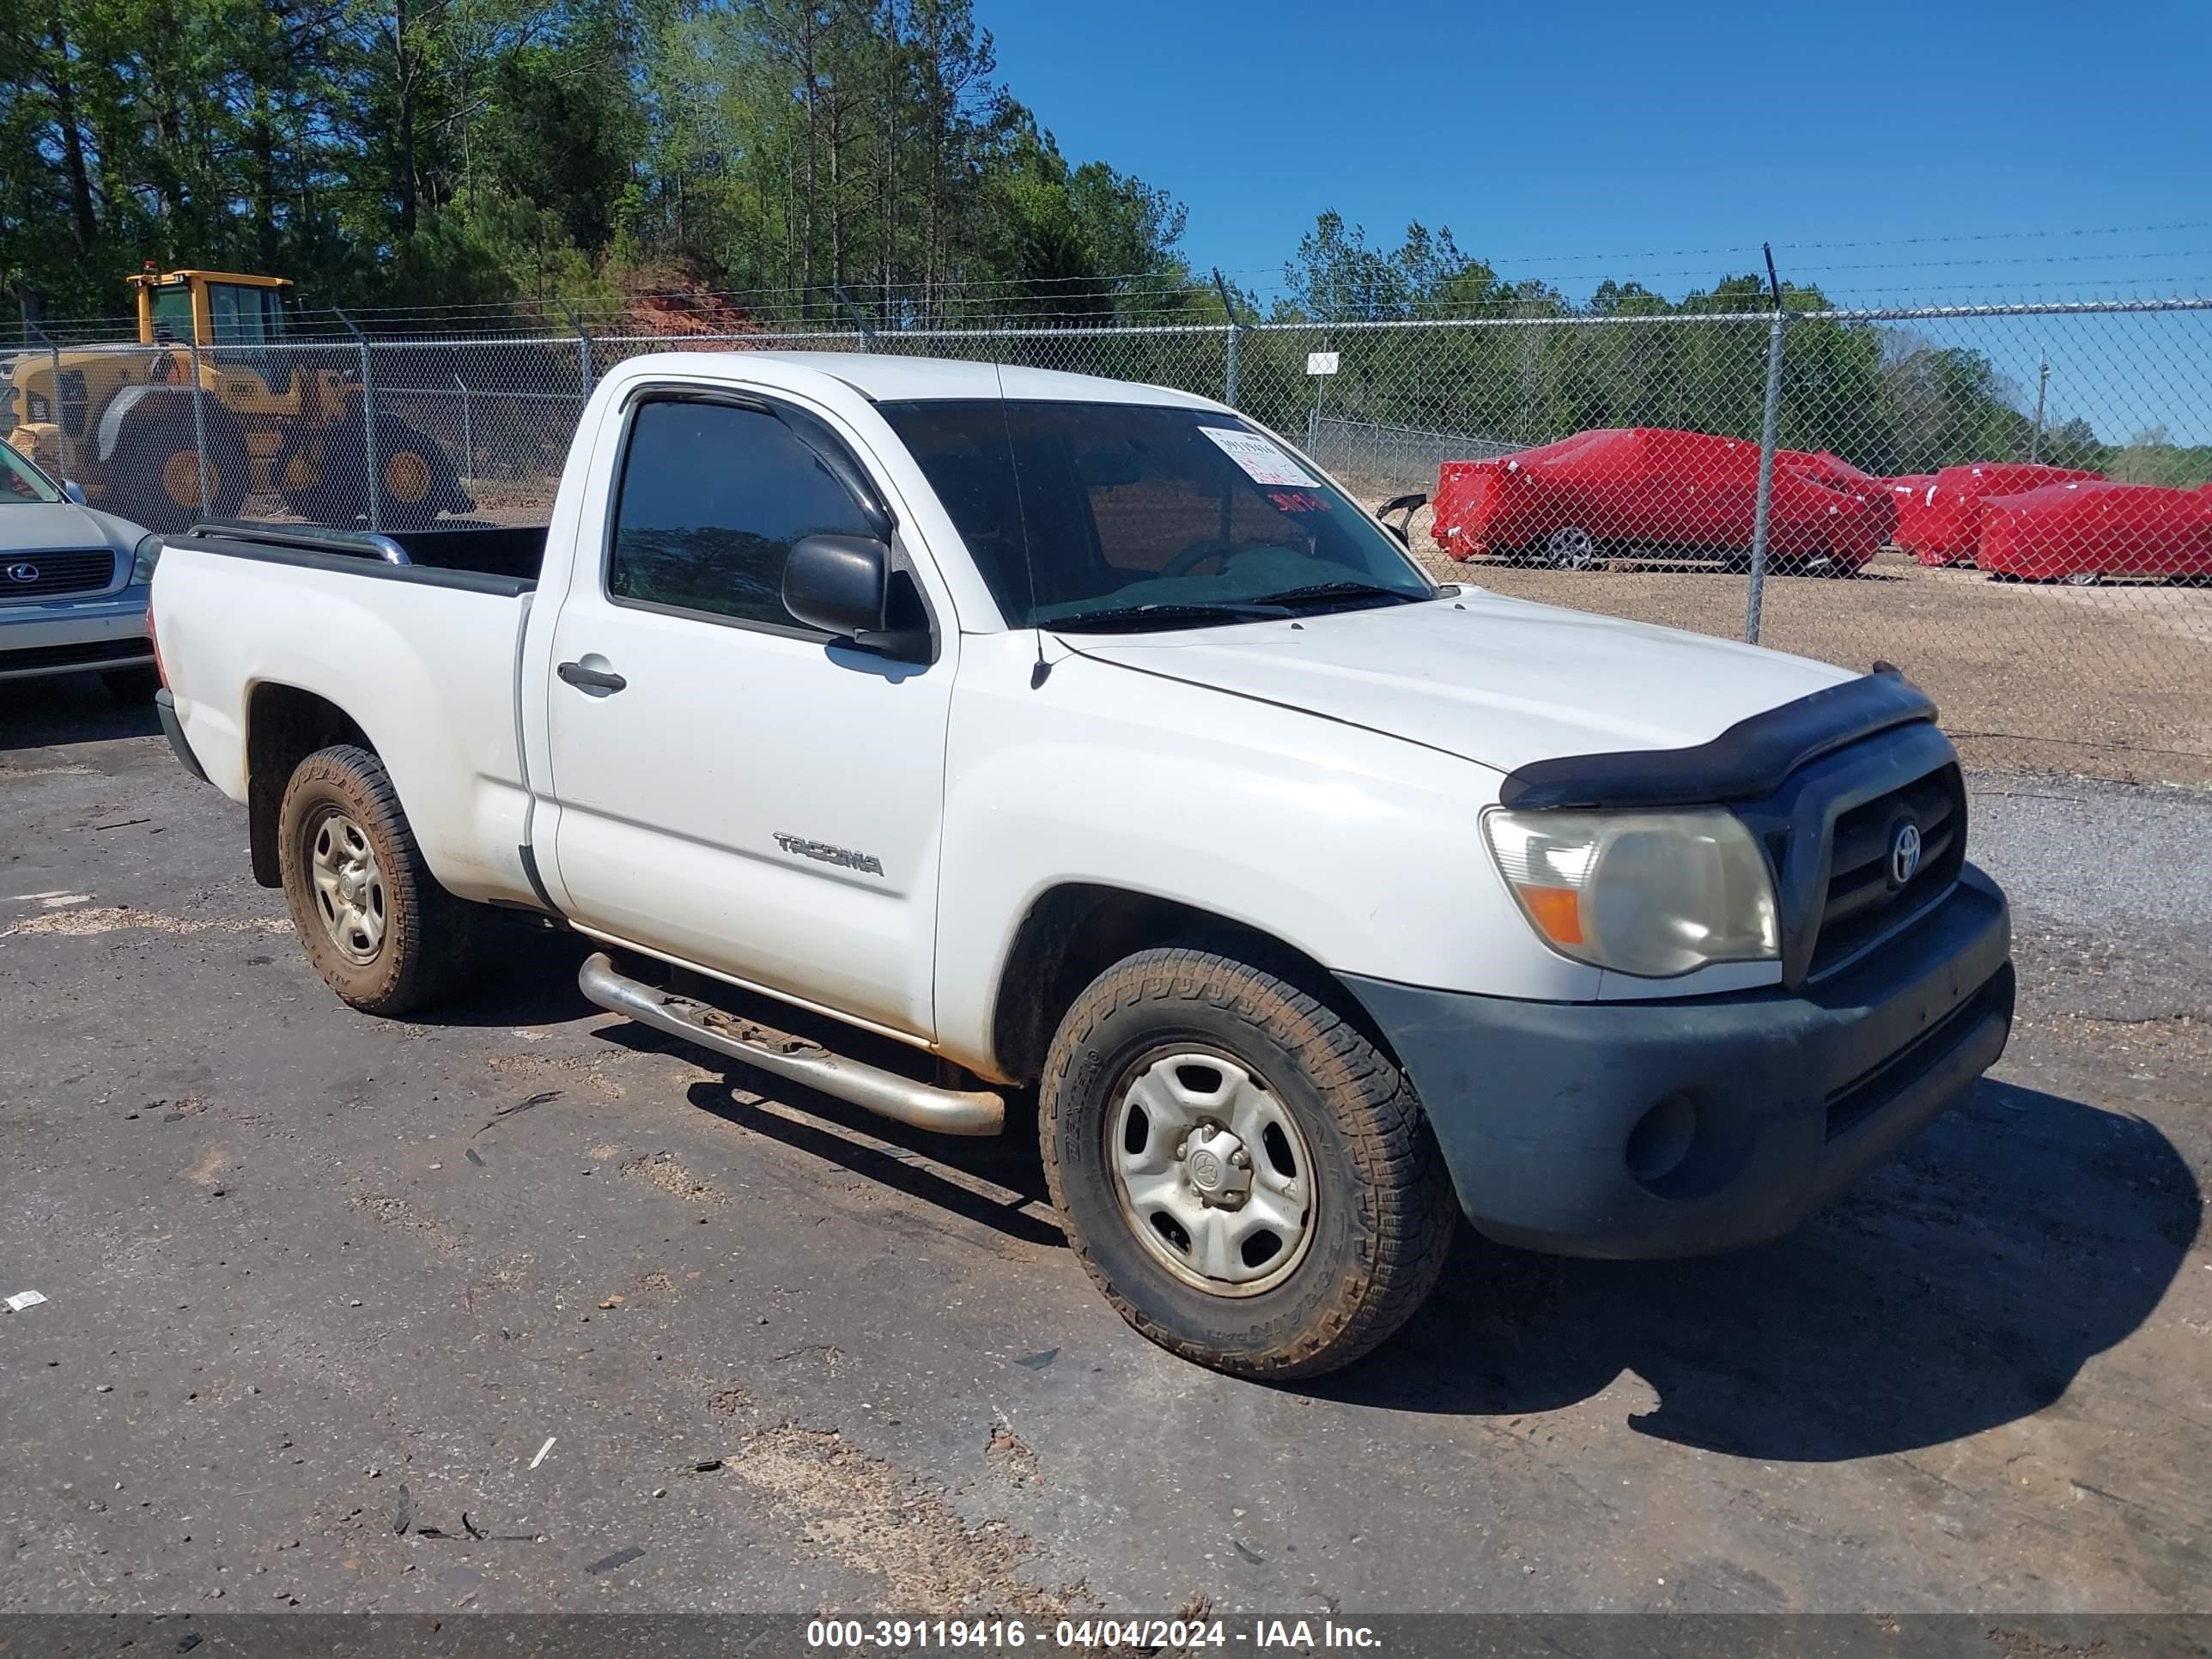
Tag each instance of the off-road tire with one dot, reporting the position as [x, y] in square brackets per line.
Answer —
[1384, 1212]
[339, 497]
[428, 935]
[156, 441]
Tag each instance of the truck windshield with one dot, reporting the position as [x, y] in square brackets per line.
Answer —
[1107, 515]
[22, 483]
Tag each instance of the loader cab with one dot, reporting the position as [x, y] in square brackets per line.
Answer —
[241, 316]
[211, 309]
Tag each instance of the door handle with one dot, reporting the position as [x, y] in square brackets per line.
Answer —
[590, 679]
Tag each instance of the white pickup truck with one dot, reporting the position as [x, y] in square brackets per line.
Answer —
[1083, 735]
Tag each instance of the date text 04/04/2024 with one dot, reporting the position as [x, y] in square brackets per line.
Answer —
[1172, 1634]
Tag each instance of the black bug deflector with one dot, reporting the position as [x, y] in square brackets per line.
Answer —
[1751, 758]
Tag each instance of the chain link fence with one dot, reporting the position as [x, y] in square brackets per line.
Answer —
[2012, 503]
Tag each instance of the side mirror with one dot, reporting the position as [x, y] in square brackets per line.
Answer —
[75, 491]
[845, 585]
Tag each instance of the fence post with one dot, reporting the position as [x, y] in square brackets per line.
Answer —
[1768, 421]
[199, 431]
[2042, 388]
[583, 356]
[367, 421]
[859, 317]
[53, 357]
[1235, 334]
[467, 431]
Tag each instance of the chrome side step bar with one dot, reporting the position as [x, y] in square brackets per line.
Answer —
[947, 1111]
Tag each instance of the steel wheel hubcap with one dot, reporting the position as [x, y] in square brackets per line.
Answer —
[349, 886]
[1212, 1172]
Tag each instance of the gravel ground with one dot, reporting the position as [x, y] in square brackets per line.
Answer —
[355, 1314]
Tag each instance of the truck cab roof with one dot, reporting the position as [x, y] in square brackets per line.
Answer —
[883, 377]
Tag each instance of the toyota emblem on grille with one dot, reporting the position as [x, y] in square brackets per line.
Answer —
[1904, 854]
[22, 572]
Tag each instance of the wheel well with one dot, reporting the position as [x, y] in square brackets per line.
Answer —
[1076, 931]
[284, 727]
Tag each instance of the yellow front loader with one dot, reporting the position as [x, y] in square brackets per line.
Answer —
[272, 418]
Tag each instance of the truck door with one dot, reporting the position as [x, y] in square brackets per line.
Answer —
[735, 790]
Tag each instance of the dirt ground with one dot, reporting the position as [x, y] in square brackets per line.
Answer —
[2113, 681]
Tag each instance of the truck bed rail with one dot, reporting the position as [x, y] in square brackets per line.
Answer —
[485, 559]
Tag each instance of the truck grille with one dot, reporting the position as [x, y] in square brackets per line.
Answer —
[41, 575]
[1864, 903]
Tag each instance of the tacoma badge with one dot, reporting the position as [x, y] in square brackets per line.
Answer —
[866, 863]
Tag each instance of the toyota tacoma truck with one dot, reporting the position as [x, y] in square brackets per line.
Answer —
[1086, 737]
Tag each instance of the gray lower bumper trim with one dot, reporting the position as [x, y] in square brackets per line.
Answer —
[165, 705]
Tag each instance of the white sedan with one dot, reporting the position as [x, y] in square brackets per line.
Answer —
[73, 585]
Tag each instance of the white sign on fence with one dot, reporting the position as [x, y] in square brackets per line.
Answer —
[1321, 363]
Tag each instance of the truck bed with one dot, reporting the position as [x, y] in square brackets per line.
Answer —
[412, 636]
[511, 555]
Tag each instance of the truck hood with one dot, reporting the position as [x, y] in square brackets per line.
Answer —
[1500, 682]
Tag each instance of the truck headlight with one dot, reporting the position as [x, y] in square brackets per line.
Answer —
[1652, 894]
[144, 558]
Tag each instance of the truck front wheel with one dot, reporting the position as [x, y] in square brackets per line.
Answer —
[379, 929]
[1250, 1180]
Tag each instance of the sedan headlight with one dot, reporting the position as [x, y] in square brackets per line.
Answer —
[144, 558]
[1652, 894]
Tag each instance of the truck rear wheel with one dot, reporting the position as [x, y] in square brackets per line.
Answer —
[1249, 1181]
[379, 929]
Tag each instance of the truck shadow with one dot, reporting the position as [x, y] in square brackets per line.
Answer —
[995, 1183]
[1963, 1286]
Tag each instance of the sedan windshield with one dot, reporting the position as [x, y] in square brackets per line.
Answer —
[1137, 515]
[21, 483]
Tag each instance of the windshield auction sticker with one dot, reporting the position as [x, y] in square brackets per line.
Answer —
[1263, 462]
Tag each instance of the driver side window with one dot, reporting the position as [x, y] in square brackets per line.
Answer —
[713, 497]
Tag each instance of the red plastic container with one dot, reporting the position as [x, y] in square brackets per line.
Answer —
[2086, 530]
[1651, 489]
[1943, 527]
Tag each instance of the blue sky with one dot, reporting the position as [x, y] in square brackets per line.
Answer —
[1598, 128]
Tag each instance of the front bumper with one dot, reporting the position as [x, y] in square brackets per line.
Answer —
[1632, 1129]
[69, 635]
